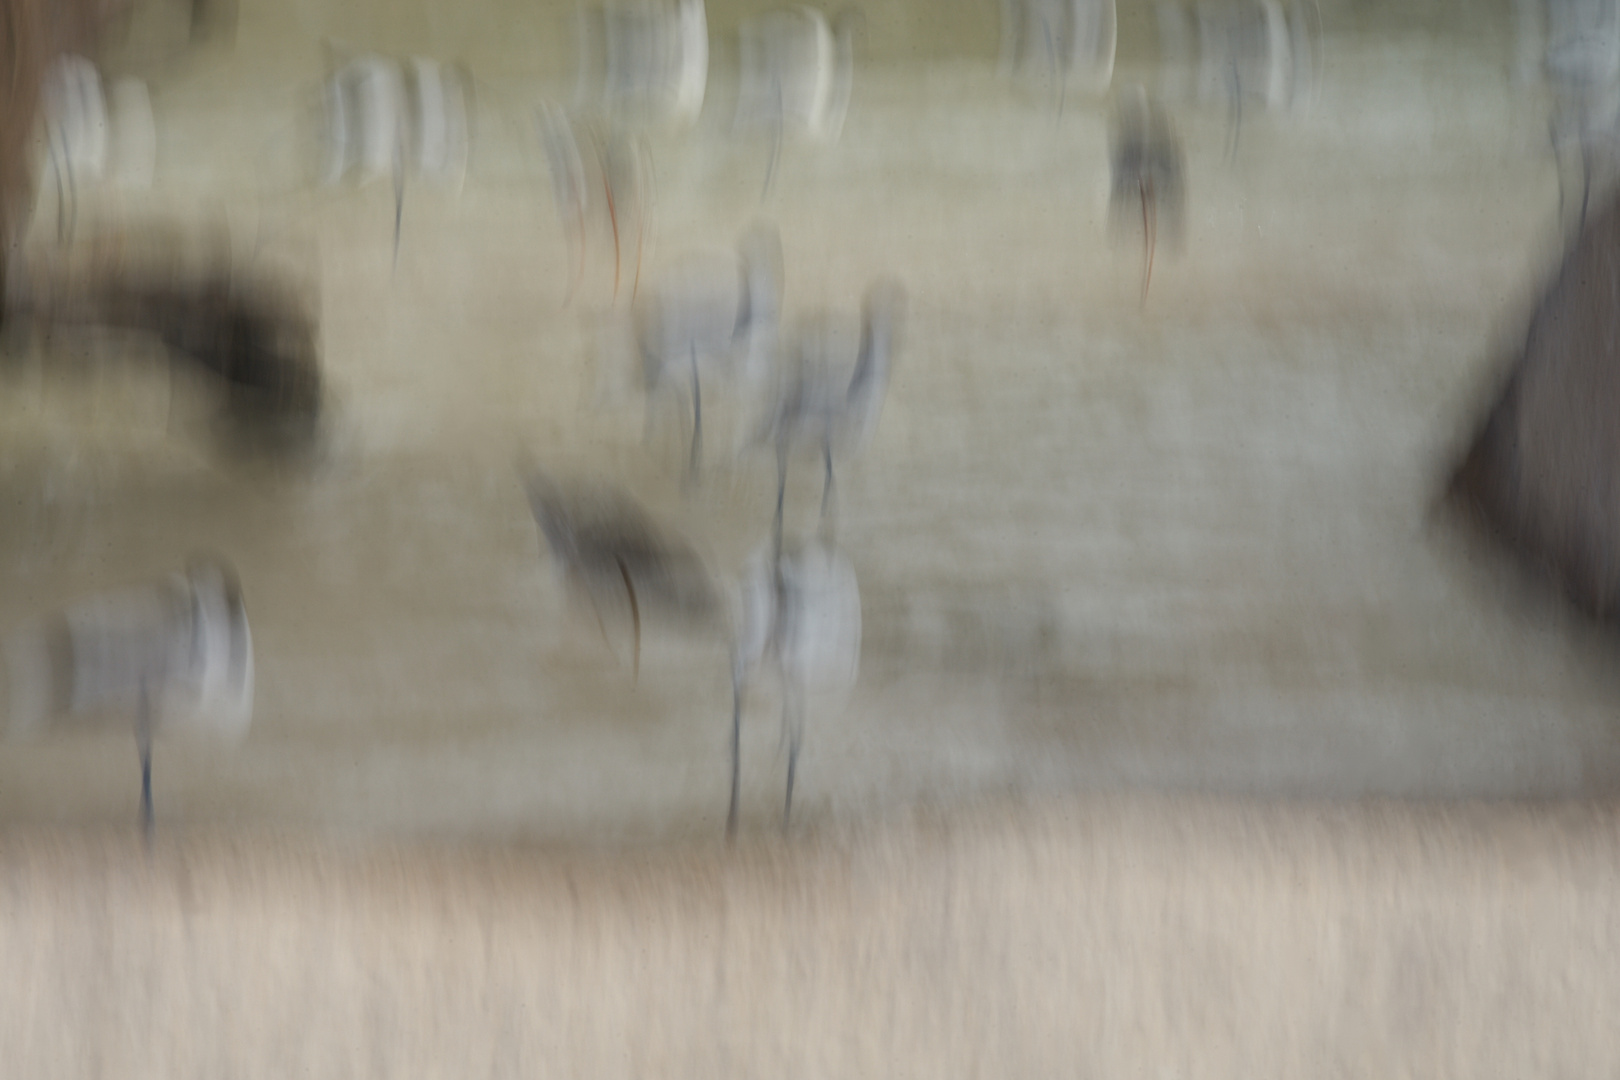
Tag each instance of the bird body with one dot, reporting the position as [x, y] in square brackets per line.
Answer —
[1146, 159]
[1245, 50]
[603, 540]
[76, 117]
[599, 172]
[1073, 39]
[796, 71]
[367, 114]
[832, 390]
[651, 61]
[184, 640]
[716, 313]
[174, 656]
[799, 612]
[387, 118]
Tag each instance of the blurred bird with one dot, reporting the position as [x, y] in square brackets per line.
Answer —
[603, 540]
[1075, 38]
[1146, 160]
[176, 653]
[386, 117]
[712, 311]
[644, 62]
[799, 612]
[598, 168]
[832, 390]
[796, 73]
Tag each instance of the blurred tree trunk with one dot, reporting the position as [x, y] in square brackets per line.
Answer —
[32, 34]
[1543, 474]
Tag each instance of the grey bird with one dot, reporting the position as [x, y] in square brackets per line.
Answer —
[603, 539]
[831, 393]
[1146, 160]
[176, 652]
[799, 612]
[716, 312]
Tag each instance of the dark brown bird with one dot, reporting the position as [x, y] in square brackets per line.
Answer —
[603, 539]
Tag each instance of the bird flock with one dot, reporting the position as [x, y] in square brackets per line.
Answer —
[710, 325]
[714, 325]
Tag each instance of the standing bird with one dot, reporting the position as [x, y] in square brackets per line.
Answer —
[832, 392]
[718, 311]
[1075, 38]
[1147, 174]
[644, 61]
[801, 613]
[1245, 50]
[796, 73]
[598, 169]
[74, 115]
[394, 119]
[1583, 73]
[602, 539]
[177, 653]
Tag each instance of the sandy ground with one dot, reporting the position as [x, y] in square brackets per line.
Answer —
[1102, 543]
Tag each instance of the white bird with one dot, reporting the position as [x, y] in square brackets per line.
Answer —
[177, 652]
[717, 311]
[1245, 50]
[1583, 42]
[1583, 72]
[1076, 38]
[799, 612]
[832, 390]
[644, 60]
[76, 114]
[390, 118]
[441, 109]
[796, 73]
[94, 134]
[366, 118]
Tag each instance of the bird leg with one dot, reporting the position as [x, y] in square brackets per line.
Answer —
[1586, 181]
[613, 214]
[1150, 222]
[635, 616]
[399, 197]
[776, 137]
[781, 497]
[571, 215]
[736, 749]
[697, 417]
[143, 744]
[793, 719]
[641, 241]
[827, 482]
